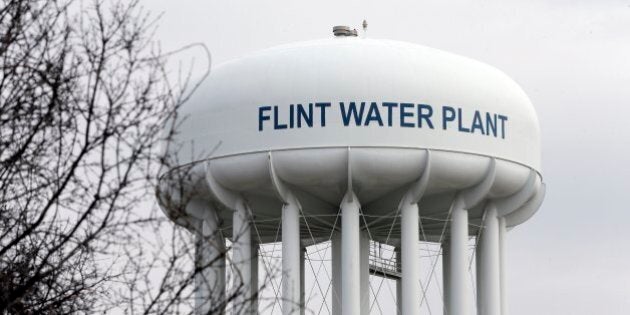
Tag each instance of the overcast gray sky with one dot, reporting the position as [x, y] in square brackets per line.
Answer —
[571, 57]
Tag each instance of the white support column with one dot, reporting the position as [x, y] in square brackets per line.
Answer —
[488, 266]
[446, 274]
[202, 286]
[245, 264]
[210, 256]
[502, 271]
[335, 246]
[291, 263]
[350, 256]
[459, 295]
[216, 275]
[302, 280]
[399, 295]
[410, 236]
[365, 272]
[253, 307]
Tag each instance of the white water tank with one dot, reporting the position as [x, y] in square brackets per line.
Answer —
[378, 124]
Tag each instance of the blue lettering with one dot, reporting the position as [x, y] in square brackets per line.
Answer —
[503, 120]
[448, 114]
[373, 114]
[390, 108]
[459, 121]
[303, 115]
[425, 116]
[352, 110]
[276, 124]
[491, 124]
[404, 114]
[364, 114]
[262, 117]
[322, 114]
[477, 124]
[291, 114]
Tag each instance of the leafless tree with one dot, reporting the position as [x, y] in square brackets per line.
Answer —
[84, 97]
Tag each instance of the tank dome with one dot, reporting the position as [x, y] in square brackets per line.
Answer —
[357, 92]
[325, 117]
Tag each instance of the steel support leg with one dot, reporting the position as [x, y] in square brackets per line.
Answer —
[446, 274]
[302, 280]
[209, 258]
[291, 271]
[410, 236]
[245, 260]
[502, 271]
[365, 273]
[488, 266]
[210, 282]
[459, 295]
[350, 256]
[335, 244]
[399, 295]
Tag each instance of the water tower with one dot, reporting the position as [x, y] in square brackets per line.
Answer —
[356, 141]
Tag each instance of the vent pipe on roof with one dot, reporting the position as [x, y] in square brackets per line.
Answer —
[342, 30]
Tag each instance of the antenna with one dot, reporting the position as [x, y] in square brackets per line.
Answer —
[365, 25]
